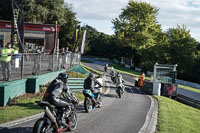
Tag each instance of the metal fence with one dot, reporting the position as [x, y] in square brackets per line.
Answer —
[24, 65]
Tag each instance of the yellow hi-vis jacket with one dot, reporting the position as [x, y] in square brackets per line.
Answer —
[7, 58]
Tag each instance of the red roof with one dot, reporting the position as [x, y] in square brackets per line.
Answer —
[33, 27]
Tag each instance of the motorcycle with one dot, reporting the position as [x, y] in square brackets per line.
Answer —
[50, 121]
[105, 68]
[88, 104]
[113, 76]
[120, 89]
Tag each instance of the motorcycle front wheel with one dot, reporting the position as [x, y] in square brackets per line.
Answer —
[74, 123]
[41, 126]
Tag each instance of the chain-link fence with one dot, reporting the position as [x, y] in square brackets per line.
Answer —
[27, 64]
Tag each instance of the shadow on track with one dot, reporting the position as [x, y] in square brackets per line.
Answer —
[17, 130]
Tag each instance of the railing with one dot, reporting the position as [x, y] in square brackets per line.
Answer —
[25, 64]
[76, 84]
[188, 100]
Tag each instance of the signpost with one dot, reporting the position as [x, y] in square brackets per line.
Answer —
[163, 74]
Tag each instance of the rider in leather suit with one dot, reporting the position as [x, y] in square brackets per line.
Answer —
[90, 83]
[53, 95]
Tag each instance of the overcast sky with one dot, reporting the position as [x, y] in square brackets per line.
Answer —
[99, 13]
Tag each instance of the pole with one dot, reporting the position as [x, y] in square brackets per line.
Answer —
[22, 66]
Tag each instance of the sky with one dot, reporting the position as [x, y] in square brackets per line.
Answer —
[100, 13]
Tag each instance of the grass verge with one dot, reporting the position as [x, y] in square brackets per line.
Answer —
[86, 61]
[189, 88]
[25, 105]
[89, 69]
[175, 117]
[127, 71]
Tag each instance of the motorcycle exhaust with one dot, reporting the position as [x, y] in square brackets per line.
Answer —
[51, 116]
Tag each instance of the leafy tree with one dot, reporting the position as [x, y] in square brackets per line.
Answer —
[138, 29]
[182, 49]
[45, 12]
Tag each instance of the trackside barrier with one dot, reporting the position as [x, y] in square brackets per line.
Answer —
[188, 100]
[11, 89]
[16, 88]
[19, 87]
[76, 84]
[148, 87]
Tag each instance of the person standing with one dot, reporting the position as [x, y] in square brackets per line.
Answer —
[51, 56]
[36, 67]
[142, 77]
[6, 61]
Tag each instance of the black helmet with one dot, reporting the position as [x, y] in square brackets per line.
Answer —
[63, 77]
[91, 75]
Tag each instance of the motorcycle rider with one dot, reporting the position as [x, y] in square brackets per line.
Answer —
[105, 67]
[113, 74]
[89, 84]
[53, 95]
[119, 80]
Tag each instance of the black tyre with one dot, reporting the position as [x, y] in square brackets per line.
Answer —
[100, 101]
[74, 123]
[87, 105]
[41, 126]
[119, 92]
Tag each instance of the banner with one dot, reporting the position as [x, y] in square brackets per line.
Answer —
[76, 37]
[55, 48]
[17, 32]
[83, 42]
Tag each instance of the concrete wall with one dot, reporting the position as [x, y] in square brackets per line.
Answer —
[31, 85]
[10, 90]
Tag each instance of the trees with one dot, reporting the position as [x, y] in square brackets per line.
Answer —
[182, 49]
[45, 12]
[139, 30]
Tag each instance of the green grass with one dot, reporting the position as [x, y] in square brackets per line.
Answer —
[89, 69]
[189, 88]
[21, 107]
[80, 96]
[25, 105]
[175, 117]
[75, 75]
[127, 71]
[86, 61]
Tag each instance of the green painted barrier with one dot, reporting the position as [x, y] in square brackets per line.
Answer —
[78, 68]
[33, 83]
[76, 84]
[10, 90]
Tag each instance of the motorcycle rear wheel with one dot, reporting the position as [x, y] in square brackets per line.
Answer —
[119, 93]
[41, 126]
[87, 105]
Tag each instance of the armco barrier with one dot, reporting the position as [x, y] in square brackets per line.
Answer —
[148, 87]
[11, 89]
[76, 84]
[188, 100]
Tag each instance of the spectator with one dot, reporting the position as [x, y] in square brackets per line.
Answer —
[37, 59]
[6, 61]
[50, 68]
